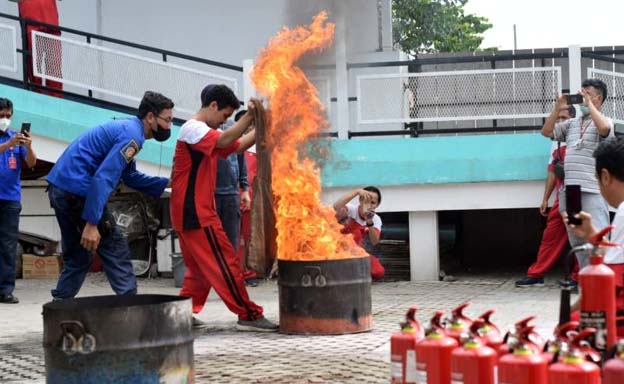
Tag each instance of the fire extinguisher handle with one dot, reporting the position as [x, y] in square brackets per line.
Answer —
[411, 313]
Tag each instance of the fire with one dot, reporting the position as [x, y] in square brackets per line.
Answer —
[306, 229]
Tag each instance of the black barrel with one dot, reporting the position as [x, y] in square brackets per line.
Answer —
[118, 339]
[328, 297]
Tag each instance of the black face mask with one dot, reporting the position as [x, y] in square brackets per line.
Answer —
[161, 134]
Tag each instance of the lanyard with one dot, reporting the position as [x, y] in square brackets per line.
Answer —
[584, 129]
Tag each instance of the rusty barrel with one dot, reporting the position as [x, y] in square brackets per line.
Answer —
[329, 297]
[118, 339]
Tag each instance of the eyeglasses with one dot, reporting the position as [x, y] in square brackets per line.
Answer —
[169, 121]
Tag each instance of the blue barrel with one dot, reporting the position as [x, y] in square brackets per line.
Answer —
[139, 339]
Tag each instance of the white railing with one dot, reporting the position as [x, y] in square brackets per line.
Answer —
[323, 89]
[117, 73]
[614, 105]
[8, 48]
[457, 95]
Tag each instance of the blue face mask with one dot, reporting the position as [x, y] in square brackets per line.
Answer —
[584, 110]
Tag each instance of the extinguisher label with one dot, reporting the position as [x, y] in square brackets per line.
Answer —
[597, 320]
[457, 378]
[421, 377]
[410, 366]
[396, 370]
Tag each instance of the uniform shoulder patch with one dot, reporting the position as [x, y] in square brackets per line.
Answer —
[129, 151]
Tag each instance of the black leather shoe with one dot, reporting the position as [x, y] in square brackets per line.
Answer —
[8, 299]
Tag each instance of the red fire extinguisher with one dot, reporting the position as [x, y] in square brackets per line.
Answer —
[458, 323]
[561, 336]
[473, 362]
[433, 354]
[511, 338]
[573, 368]
[597, 288]
[489, 332]
[403, 349]
[613, 371]
[523, 365]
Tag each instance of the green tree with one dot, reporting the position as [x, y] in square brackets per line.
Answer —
[429, 26]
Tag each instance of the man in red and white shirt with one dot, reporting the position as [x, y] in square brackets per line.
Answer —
[360, 220]
[209, 256]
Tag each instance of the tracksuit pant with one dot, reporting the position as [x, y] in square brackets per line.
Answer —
[212, 263]
[554, 240]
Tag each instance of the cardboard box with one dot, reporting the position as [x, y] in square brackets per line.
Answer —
[40, 267]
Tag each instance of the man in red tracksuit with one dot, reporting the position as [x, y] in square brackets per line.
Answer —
[210, 259]
[49, 51]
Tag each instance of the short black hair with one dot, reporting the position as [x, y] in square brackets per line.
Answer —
[6, 104]
[239, 114]
[599, 85]
[154, 102]
[220, 93]
[373, 189]
[610, 156]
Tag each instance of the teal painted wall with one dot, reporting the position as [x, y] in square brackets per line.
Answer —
[383, 162]
[437, 160]
[64, 120]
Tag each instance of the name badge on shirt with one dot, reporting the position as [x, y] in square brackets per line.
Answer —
[12, 160]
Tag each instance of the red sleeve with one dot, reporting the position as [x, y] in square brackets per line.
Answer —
[225, 152]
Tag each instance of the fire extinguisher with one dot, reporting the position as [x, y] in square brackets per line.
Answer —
[473, 362]
[433, 354]
[511, 338]
[613, 371]
[459, 323]
[403, 349]
[597, 289]
[573, 368]
[489, 332]
[524, 365]
[561, 336]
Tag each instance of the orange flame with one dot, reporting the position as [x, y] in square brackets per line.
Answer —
[306, 230]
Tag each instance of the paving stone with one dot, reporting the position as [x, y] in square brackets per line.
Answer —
[223, 355]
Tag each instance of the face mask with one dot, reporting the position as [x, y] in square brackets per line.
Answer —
[584, 110]
[161, 134]
[4, 124]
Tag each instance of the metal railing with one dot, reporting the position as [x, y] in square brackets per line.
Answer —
[112, 72]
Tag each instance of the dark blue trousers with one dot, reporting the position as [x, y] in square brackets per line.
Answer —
[9, 230]
[228, 209]
[113, 250]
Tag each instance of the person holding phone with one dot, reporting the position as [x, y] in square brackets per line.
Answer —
[15, 148]
[360, 220]
[582, 135]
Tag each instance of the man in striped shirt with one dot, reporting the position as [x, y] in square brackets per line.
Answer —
[582, 136]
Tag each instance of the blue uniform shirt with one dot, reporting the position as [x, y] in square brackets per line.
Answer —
[93, 164]
[232, 174]
[10, 186]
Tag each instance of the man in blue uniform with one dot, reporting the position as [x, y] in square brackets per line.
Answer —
[83, 179]
[14, 148]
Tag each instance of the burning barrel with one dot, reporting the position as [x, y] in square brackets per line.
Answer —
[327, 297]
[118, 339]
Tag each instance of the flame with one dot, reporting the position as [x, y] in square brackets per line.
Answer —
[306, 229]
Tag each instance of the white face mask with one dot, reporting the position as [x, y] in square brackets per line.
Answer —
[4, 124]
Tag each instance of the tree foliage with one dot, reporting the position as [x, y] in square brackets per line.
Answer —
[429, 26]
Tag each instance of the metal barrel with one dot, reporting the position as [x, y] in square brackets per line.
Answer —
[118, 339]
[329, 297]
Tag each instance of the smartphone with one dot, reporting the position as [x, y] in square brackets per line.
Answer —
[574, 99]
[25, 128]
[573, 203]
